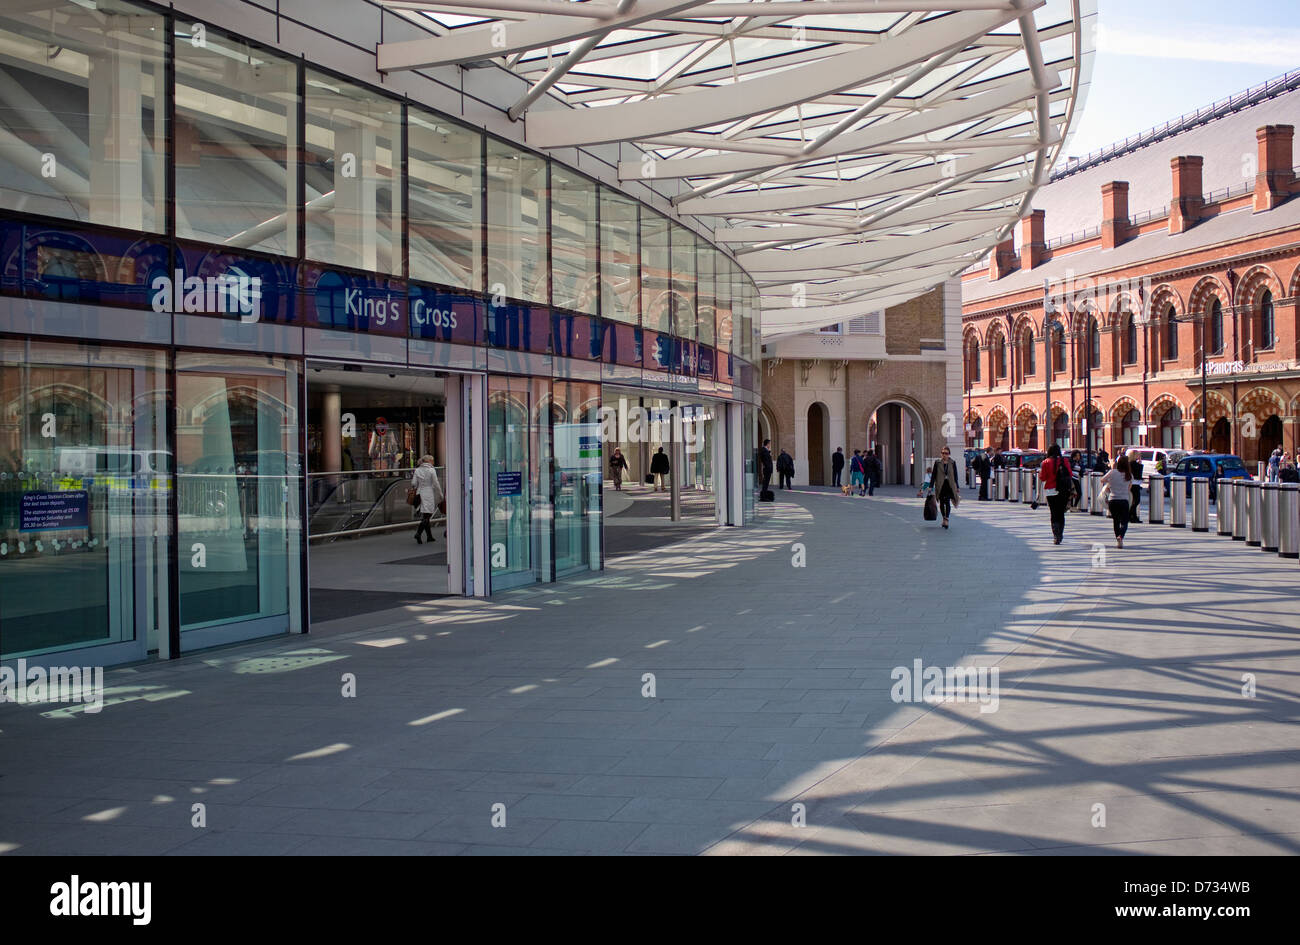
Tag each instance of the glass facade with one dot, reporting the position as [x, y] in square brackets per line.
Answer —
[85, 476]
[236, 135]
[81, 115]
[155, 477]
[517, 224]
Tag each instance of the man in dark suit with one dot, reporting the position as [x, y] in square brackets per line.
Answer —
[837, 467]
[764, 466]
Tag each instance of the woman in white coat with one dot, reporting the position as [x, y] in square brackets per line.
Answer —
[425, 482]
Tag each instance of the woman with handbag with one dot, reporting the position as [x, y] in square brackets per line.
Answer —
[943, 480]
[427, 492]
[1116, 490]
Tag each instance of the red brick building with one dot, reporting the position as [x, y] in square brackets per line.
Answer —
[1182, 239]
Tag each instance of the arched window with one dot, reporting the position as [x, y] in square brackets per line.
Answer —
[1094, 345]
[1028, 362]
[1171, 429]
[1000, 357]
[1130, 427]
[1171, 335]
[972, 363]
[1266, 320]
[1090, 431]
[1216, 328]
[1058, 349]
[1130, 339]
[1061, 431]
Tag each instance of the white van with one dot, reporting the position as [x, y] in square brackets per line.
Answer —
[87, 462]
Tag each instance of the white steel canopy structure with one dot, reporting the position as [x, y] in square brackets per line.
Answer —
[854, 154]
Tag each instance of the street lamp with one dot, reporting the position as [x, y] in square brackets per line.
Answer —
[1050, 325]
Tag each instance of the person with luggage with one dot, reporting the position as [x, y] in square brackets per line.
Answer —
[837, 466]
[1058, 485]
[943, 480]
[764, 467]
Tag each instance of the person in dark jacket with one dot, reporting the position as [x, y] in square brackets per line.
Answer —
[659, 468]
[1135, 470]
[785, 469]
[617, 467]
[943, 479]
[764, 466]
[874, 471]
[837, 466]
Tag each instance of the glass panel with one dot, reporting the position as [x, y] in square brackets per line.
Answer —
[683, 259]
[619, 258]
[655, 273]
[81, 124]
[238, 469]
[353, 172]
[579, 473]
[236, 143]
[705, 315]
[84, 481]
[518, 495]
[723, 290]
[750, 454]
[444, 167]
[516, 231]
[573, 240]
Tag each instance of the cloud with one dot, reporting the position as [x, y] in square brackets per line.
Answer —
[1202, 42]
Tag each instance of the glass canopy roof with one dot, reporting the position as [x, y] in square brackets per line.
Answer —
[854, 154]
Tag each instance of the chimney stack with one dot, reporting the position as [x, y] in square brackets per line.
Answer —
[1189, 196]
[1275, 175]
[1002, 259]
[1032, 244]
[1114, 213]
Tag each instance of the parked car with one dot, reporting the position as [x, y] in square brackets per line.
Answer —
[1154, 458]
[1211, 466]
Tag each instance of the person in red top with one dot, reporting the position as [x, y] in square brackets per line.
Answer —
[1058, 483]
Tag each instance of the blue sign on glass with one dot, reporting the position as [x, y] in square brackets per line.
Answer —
[45, 511]
[510, 483]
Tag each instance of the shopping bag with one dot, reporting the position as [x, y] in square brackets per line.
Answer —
[931, 507]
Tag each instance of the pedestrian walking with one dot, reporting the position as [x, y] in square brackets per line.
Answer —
[618, 466]
[1135, 471]
[983, 469]
[837, 466]
[857, 471]
[1058, 485]
[873, 471]
[943, 479]
[659, 468]
[1274, 464]
[785, 469]
[1116, 486]
[424, 480]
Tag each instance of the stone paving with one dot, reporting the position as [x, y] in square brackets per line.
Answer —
[1120, 685]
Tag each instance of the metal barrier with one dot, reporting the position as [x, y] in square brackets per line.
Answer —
[1239, 510]
[1031, 479]
[1253, 518]
[1156, 499]
[999, 476]
[1268, 524]
[1223, 506]
[1200, 505]
[1288, 519]
[1095, 505]
[1013, 485]
[1177, 502]
[1084, 496]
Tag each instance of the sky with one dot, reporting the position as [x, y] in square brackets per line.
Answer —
[1158, 59]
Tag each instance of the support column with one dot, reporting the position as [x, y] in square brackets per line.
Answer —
[331, 431]
[677, 462]
[116, 135]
